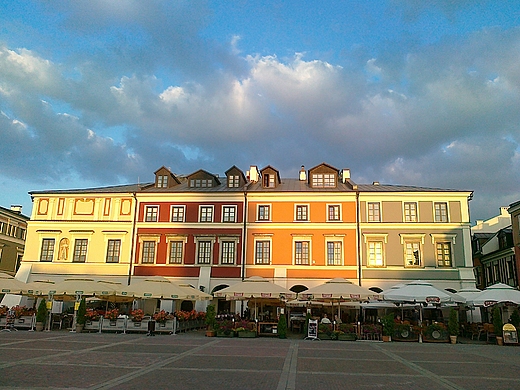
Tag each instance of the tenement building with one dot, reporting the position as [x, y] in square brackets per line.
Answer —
[212, 230]
[13, 227]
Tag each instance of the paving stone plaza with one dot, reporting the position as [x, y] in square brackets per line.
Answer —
[64, 360]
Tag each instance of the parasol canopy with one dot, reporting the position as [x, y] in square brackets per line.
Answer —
[339, 289]
[10, 285]
[38, 288]
[255, 287]
[421, 292]
[497, 293]
[72, 288]
[161, 289]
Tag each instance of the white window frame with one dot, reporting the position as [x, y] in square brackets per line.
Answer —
[340, 216]
[198, 240]
[232, 207]
[179, 207]
[221, 241]
[323, 180]
[435, 212]
[371, 214]
[263, 239]
[269, 208]
[411, 239]
[233, 181]
[206, 207]
[148, 237]
[302, 239]
[373, 238]
[162, 181]
[334, 240]
[409, 216]
[150, 207]
[175, 238]
[307, 212]
[444, 238]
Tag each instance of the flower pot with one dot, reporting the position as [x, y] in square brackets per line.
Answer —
[79, 328]
[347, 337]
[39, 326]
[387, 339]
[453, 339]
[500, 340]
[210, 333]
[246, 333]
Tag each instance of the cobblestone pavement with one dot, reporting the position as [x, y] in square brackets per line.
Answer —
[64, 360]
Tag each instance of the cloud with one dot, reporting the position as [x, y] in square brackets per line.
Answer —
[443, 115]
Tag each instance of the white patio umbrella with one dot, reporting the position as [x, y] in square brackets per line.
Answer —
[10, 285]
[254, 289]
[497, 293]
[421, 292]
[470, 293]
[339, 289]
[159, 289]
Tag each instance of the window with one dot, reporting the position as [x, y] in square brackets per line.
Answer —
[201, 183]
[334, 212]
[263, 252]
[80, 250]
[204, 252]
[148, 255]
[233, 181]
[375, 254]
[374, 213]
[301, 253]
[228, 213]
[333, 253]
[177, 213]
[443, 254]
[228, 252]
[151, 213]
[412, 253]
[441, 212]
[410, 212]
[113, 251]
[301, 212]
[162, 181]
[47, 252]
[263, 213]
[268, 180]
[323, 180]
[206, 214]
[176, 252]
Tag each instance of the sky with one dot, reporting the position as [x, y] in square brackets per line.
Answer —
[98, 93]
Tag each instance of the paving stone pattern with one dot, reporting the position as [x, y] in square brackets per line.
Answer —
[65, 360]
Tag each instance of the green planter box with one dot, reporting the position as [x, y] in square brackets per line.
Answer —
[347, 337]
[324, 336]
[247, 334]
[225, 334]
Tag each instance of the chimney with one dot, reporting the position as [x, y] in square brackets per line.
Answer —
[253, 173]
[303, 174]
[16, 208]
[345, 175]
[503, 211]
[376, 183]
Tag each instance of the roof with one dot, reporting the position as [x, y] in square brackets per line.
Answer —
[124, 188]
[401, 188]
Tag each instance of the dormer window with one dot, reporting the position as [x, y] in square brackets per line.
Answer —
[268, 180]
[323, 180]
[162, 181]
[234, 181]
[201, 183]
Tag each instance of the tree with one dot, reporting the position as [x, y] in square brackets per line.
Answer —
[453, 323]
[82, 311]
[282, 327]
[210, 319]
[497, 321]
[42, 312]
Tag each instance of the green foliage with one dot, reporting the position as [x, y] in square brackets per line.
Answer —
[453, 323]
[282, 327]
[42, 312]
[82, 311]
[388, 324]
[210, 320]
[515, 318]
[497, 321]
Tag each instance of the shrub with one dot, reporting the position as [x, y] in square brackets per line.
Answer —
[453, 323]
[210, 320]
[41, 314]
[82, 311]
[282, 327]
[515, 318]
[388, 324]
[497, 321]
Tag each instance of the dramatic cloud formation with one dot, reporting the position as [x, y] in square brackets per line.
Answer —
[111, 91]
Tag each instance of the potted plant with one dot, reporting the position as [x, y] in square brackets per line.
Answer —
[81, 315]
[245, 328]
[211, 322]
[436, 332]
[388, 327]
[325, 331]
[515, 319]
[225, 328]
[453, 326]
[498, 325]
[282, 327]
[347, 332]
[41, 315]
